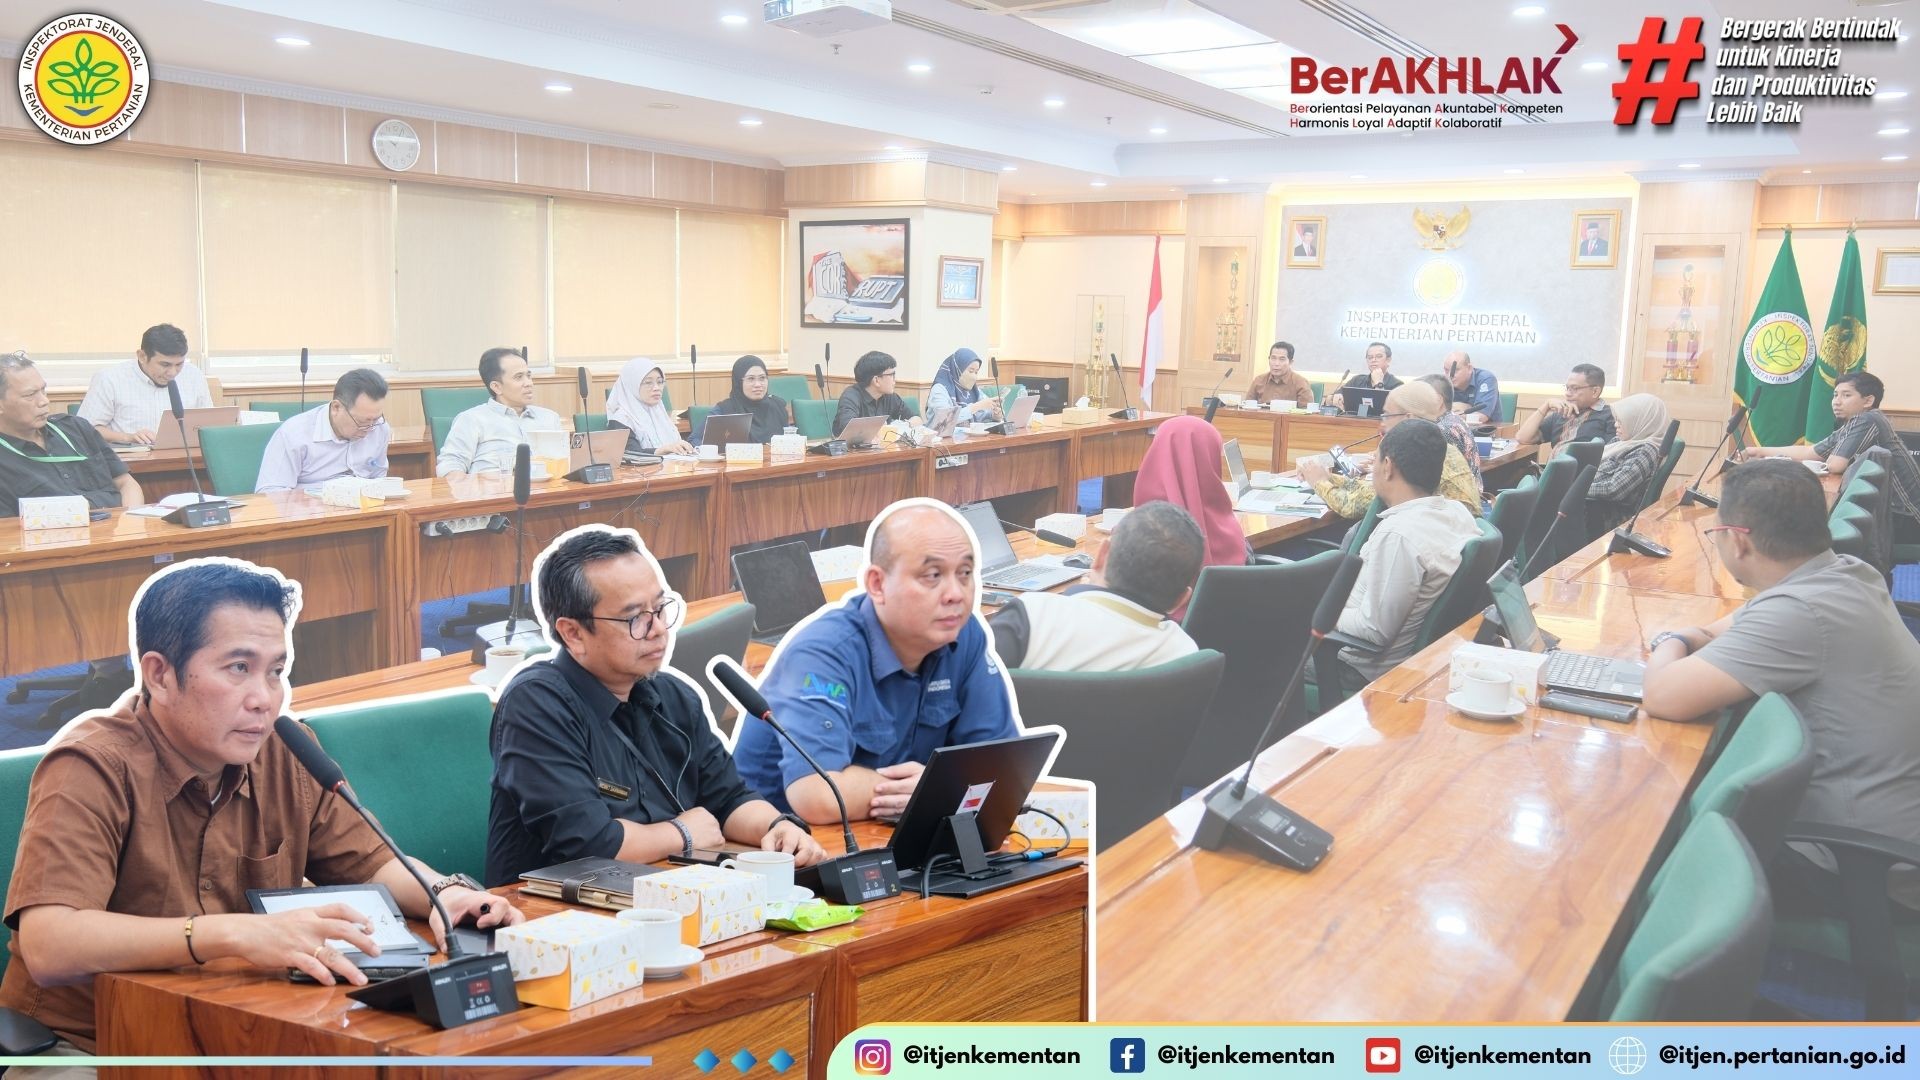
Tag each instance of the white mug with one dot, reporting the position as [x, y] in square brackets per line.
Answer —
[659, 931]
[1488, 691]
[775, 866]
[538, 471]
[709, 452]
[504, 658]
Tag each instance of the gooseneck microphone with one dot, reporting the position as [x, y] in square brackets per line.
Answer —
[1212, 400]
[1129, 412]
[852, 878]
[693, 365]
[522, 491]
[459, 997]
[1046, 535]
[1338, 454]
[1693, 493]
[202, 511]
[1573, 502]
[594, 471]
[303, 378]
[820, 380]
[1624, 538]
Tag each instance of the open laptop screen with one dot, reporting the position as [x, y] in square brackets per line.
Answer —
[780, 583]
[995, 551]
[1510, 600]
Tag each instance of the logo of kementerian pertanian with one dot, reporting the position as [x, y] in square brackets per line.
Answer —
[83, 78]
[1779, 348]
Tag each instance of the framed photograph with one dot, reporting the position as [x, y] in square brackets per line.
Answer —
[960, 281]
[1307, 242]
[1896, 271]
[1596, 239]
[853, 273]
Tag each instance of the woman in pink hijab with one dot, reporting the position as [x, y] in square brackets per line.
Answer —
[1183, 467]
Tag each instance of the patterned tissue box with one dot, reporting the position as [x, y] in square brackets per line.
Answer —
[53, 512]
[1073, 807]
[788, 446]
[567, 960]
[1079, 414]
[745, 453]
[714, 904]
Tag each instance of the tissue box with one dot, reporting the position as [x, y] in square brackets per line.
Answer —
[353, 492]
[1110, 518]
[567, 960]
[714, 904]
[1525, 667]
[785, 446]
[1079, 414]
[745, 453]
[837, 563]
[1071, 806]
[1074, 525]
[550, 448]
[53, 512]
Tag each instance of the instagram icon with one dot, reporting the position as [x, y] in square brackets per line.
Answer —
[872, 1057]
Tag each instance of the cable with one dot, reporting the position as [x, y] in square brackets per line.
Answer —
[926, 874]
[1066, 835]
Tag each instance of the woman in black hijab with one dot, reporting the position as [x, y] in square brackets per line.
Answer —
[770, 413]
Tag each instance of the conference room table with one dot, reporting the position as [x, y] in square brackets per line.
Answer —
[1480, 870]
[164, 472]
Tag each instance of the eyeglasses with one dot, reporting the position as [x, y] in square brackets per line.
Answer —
[1386, 416]
[754, 379]
[359, 424]
[653, 383]
[1727, 528]
[640, 625]
[1574, 388]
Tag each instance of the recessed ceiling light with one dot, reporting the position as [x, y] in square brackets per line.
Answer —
[734, 18]
[893, 147]
[1806, 172]
[1157, 131]
[1053, 102]
[1894, 157]
[1358, 176]
[661, 105]
[1594, 65]
[1892, 131]
[1219, 179]
[919, 67]
[559, 88]
[1890, 95]
[1690, 165]
[1529, 11]
[1099, 183]
[750, 121]
[1514, 172]
[1009, 168]
[292, 42]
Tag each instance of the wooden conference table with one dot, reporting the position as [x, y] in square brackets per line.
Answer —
[1479, 869]
[164, 472]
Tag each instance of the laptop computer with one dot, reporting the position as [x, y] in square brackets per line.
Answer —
[942, 420]
[1051, 390]
[1000, 568]
[1020, 413]
[608, 446]
[982, 785]
[1579, 673]
[726, 428]
[863, 431]
[167, 435]
[601, 883]
[1277, 500]
[782, 586]
[1374, 399]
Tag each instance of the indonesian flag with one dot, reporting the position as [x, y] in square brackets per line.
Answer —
[1155, 340]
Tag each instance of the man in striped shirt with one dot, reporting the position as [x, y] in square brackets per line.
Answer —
[1856, 404]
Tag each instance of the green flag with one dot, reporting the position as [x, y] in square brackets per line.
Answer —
[1843, 345]
[1775, 356]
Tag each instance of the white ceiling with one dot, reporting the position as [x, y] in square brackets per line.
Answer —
[851, 97]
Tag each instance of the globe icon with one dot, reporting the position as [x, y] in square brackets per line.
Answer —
[1627, 1055]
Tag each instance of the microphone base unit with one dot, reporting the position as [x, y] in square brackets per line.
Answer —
[858, 877]
[830, 448]
[1255, 823]
[1124, 414]
[1694, 496]
[448, 994]
[201, 515]
[1625, 541]
[601, 473]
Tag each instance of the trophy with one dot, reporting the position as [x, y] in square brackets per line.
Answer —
[1682, 364]
[1226, 328]
[1097, 369]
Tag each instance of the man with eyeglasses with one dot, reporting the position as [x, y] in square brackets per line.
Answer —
[347, 436]
[1581, 416]
[602, 751]
[44, 453]
[1349, 496]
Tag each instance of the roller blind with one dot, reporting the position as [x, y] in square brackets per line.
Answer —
[730, 283]
[613, 281]
[471, 270]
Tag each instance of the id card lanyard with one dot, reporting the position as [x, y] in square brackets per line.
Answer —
[52, 459]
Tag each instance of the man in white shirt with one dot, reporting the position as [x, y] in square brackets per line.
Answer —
[347, 436]
[1413, 550]
[126, 401]
[1117, 620]
[483, 438]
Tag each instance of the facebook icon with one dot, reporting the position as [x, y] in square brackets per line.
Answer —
[1129, 1056]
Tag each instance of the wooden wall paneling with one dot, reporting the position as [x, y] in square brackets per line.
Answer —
[742, 187]
[1788, 204]
[550, 163]
[1165, 217]
[616, 170]
[682, 179]
[13, 114]
[1697, 206]
[953, 185]
[192, 117]
[1034, 973]
[472, 152]
[277, 127]
[1844, 203]
[1008, 222]
[359, 127]
[878, 183]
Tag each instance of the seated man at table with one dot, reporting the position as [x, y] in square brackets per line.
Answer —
[45, 453]
[483, 438]
[1822, 631]
[584, 743]
[1377, 377]
[1118, 619]
[1454, 426]
[1412, 552]
[1280, 382]
[1856, 406]
[1474, 392]
[125, 402]
[1581, 416]
[146, 825]
[347, 436]
[873, 686]
[1349, 496]
[872, 393]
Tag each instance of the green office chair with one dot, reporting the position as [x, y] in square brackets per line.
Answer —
[913, 403]
[1758, 778]
[391, 749]
[440, 425]
[1509, 404]
[16, 774]
[1512, 509]
[791, 387]
[286, 410]
[1665, 472]
[451, 401]
[1850, 528]
[1697, 953]
[73, 408]
[814, 418]
[589, 421]
[1005, 395]
[1555, 479]
[696, 421]
[233, 456]
[1883, 950]
[723, 633]
[1126, 731]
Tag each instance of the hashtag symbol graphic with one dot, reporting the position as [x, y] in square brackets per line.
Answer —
[1673, 87]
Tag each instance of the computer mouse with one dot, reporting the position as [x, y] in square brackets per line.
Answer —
[1078, 562]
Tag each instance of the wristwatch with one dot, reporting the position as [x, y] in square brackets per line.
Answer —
[450, 880]
[1665, 636]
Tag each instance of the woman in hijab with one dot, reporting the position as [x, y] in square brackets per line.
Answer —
[770, 412]
[954, 385]
[635, 405]
[1182, 466]
[1627, 464]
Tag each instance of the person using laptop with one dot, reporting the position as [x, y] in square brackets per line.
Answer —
[638, 404]
[1474, 392]
[771, 413]
[47, 453]
[872, 393]
[125, 402]
[1581, 416]
[483, 438]
[1182, 466]
[602, 751]
[348, 436]
[1119, 620]
[146, 824]
[1822, 631]
[1856, 405]
[1349, 496]
[1280, 382]
[956, 384]
[872, 687]
[1376, 377]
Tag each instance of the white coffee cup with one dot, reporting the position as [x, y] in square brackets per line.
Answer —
[1487, 691]
[659, 931]
[538, 471]
[775, 866]
[504, 658]
[709, 452]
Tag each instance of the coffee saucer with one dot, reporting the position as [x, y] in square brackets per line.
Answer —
[1515, 706]
[674, 963]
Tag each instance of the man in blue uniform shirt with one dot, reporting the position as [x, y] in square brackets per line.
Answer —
[873, 687]
[1476, 392]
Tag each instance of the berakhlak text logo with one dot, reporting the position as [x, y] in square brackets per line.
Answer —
[83, 78]
[872, 1057]
[1128, 1056]
[1383, 1055]
[1673, 86]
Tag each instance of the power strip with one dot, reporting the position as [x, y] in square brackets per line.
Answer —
[451, 526]
[949, 461]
